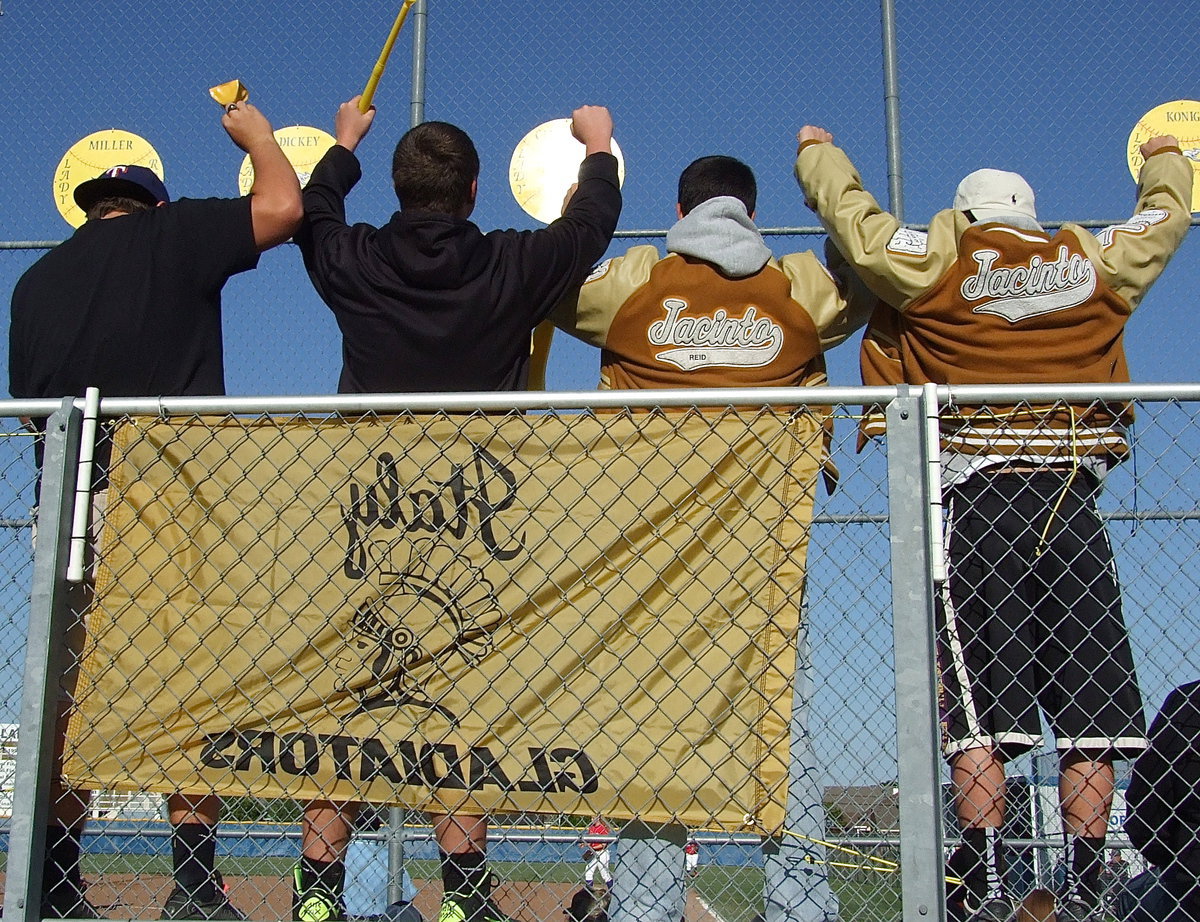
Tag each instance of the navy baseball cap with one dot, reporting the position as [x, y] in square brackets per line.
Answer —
[135, 182]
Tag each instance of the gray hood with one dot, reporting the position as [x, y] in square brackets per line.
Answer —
[720, 232]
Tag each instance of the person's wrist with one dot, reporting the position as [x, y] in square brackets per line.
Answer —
[259, 143]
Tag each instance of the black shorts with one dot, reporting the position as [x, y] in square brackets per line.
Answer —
[1030, 618]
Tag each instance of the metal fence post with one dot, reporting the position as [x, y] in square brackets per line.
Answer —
[416, 106]
[395, 853]
[44, 664]
[921, 861]
[891, 109]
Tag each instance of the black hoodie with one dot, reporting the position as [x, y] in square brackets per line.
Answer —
[428, 302]
[1163, 800]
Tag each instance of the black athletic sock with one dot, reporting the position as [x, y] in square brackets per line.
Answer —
[328, 875]
[465, 874]
[62, 883]
[193, 854]
[1085, 856]
[982, 866]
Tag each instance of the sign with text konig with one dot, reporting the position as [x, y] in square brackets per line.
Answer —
[572, 614]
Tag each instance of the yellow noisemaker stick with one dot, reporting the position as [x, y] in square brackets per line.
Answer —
[369, 92]
[539, 355]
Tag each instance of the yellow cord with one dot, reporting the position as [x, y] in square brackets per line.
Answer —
[1075, 453]
[886, 862]
[1041, 545]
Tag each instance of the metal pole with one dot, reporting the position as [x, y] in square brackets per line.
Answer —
[922, 876]
[891, 109]
[77, 564]
[416, 113]
[933, 465]
[395, 853]
[44, 665]
[794, 865]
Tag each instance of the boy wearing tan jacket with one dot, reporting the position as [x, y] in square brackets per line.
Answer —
[1031, 615]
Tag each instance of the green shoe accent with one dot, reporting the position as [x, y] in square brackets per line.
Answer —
[452, 910]
[315, 903]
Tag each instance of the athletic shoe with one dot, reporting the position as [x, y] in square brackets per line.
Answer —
[1078, 909]
[314, 903]
[186, 904]
[993, 909]
[457, 907]
[81, 910]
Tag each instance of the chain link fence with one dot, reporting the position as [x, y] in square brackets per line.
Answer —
[216, 652]
[696, 81]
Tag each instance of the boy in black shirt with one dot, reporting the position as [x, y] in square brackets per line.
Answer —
[428, 302]
[131, 304]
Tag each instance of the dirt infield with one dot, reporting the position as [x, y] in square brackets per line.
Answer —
[141, 896]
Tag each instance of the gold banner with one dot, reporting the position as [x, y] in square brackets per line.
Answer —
[541, 613]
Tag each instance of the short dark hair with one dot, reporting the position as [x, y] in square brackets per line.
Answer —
[433, 168]
[709, 177]
[111, 203]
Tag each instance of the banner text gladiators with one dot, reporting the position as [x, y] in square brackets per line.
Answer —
[553, 770]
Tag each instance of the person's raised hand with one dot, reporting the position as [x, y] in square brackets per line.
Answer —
[593, 125]
[349, 125]
[246, 126]
[1157, 143]
[814, 133]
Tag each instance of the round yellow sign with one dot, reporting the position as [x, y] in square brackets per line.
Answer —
[1180, 118]
[303, 146]
[544, 165]
[89, 157]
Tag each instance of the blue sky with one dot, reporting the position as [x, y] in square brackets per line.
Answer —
[1051, 91]
[1048, 93]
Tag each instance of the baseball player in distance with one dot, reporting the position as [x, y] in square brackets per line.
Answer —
[596, 855]
[1030, 617]
[1163, 814]
[718, 311]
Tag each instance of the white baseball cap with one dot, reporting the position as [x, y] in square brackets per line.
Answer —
[992, 194]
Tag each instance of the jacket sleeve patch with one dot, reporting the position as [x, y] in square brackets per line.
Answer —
[1138, 224]
[909, 242]
[598, 272]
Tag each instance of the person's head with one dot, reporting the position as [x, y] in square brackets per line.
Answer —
[436, 168]
[121, 190]
[993, 195]
[586, 907]
[710, 177]
[1038, 906]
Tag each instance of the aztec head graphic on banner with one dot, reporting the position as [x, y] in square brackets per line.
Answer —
[438, 606]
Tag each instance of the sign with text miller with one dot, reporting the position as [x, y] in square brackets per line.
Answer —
[548, 613]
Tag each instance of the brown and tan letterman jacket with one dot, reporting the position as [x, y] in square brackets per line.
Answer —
[679, 322]
[994, 303]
